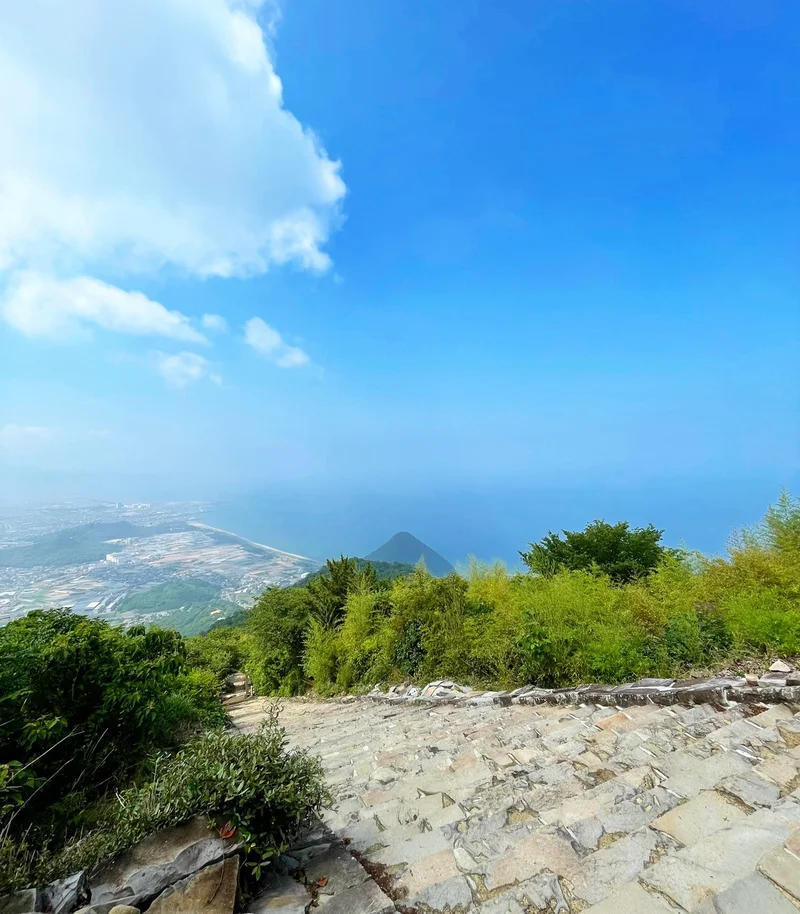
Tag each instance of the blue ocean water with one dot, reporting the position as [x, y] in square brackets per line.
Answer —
[491, 522]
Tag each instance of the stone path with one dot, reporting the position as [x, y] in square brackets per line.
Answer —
[563, 809]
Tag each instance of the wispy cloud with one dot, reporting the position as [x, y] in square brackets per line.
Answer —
[184, 368]
[41, 306]
[269, 343]
[25, 439]
[214, 322]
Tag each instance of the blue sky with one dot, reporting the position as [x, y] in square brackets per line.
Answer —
[537, 263]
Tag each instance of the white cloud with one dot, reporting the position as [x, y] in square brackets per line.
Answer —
[24, 439]
[136, 136]
[214, 322]
[270, 343]
[184, 368]
[38, 305]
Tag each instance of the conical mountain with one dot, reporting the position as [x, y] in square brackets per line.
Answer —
[405, 548]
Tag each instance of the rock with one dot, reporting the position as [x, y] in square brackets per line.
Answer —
[772, 680]
[712, 866]
[159, 861]
[783, 868]
[281, 895]
[751, 679]
[793, 679]
[753, 792]
[780, 666]
[453, 894]
[702, 816]
[21, 902]
[384, 775]
[65, 895]
[363, 899]
[790, 731]
[211, 891]
[752, 894]
[335, 872]
[631, 899]
[106, 907]
[123, 909]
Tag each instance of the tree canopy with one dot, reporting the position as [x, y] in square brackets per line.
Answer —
[624, 554]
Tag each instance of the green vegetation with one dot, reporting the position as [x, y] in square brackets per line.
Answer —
[249, 781]
[623, 554]
[107, 734]
[607, 604]
[77, 545]
[188, 601]
[90, 713]
[384, 571]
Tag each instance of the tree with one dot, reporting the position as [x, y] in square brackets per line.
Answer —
[327, 594]
[613, 549]
[278, 625]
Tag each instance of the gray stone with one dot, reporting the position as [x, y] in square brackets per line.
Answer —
[106, 907]
[783, 868]
[211, 891]
[123, 909]
[65, 895]
[752, 791]
[281, 895]
[793, 679]
[752, 894]
[384, 775]
[712, 866]
[604, 871]
[790, 731]
[631, 899]
[587, 832]
[772, 680]
[452, 895]
[707, 773]
[159, 861]
[700, 817]
[363, 899]
[780, 666]
[334, 872]
[20, 902]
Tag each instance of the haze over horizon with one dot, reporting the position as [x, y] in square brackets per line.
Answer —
[475, 274]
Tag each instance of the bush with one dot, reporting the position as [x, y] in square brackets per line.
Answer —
[82, 701]
[250, 781]
[277, 626]
[221, 651]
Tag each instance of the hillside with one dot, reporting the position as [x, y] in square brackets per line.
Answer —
[79, 545]
[406, 549]
[185, 605]
[384, 571]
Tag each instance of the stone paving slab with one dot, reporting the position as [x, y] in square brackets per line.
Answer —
[515, 808]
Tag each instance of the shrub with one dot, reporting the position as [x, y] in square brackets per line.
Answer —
[222, 651]
[277, 627]
[82, 702]
[248, 780]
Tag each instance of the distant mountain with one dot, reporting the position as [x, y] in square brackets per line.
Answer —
[408, 550]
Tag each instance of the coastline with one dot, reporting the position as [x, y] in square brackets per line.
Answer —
[243, 539]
